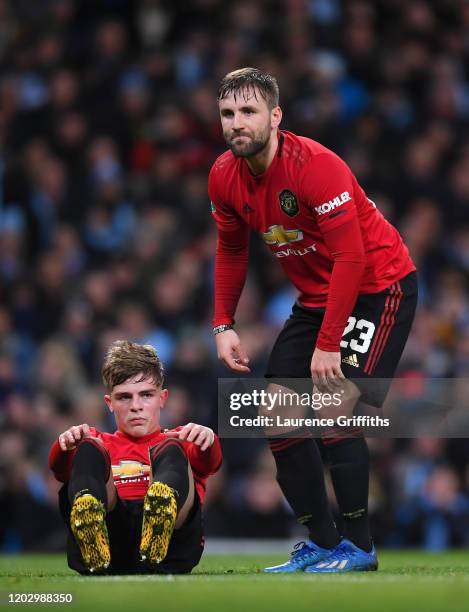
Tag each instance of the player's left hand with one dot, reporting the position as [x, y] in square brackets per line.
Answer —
[198, 434]
[326, 371]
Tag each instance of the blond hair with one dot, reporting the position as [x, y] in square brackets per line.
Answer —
[126, 360]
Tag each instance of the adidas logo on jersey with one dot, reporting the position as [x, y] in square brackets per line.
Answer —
[351, 360]
[337, 201]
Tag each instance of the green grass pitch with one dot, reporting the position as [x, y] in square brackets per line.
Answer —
[406, 580]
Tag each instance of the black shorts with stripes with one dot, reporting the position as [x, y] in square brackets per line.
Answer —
[372, 342]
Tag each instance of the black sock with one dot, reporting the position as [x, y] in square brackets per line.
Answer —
[349, 466]
[169, 465]
[90, 471]
[300, 474]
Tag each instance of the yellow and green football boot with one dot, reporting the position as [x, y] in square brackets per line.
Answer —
[88, 524]
[159, 516]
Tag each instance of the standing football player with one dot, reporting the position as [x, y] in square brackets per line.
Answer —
[357, 297]
[133, 499]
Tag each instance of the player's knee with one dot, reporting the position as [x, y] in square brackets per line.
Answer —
[169, 450]
[96, 443]
[90, 449]
[92, 440]
[343, 406]
[328, 413]
[264, 410]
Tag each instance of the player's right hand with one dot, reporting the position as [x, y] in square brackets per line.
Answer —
[69, 439]
[231, 352]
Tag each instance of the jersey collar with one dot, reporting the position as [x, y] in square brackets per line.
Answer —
[139, 439]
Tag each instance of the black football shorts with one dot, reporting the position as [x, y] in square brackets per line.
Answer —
[124, 525]
[371, 346]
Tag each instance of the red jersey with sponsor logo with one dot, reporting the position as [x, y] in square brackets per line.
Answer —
[308, 207]
[131, 464]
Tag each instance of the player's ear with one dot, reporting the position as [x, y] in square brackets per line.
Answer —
[107, 399]
[275, 117]
[163, 396]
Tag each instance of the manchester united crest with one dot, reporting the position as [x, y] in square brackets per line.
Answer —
[288, 202]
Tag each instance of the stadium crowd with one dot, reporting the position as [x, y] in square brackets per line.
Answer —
[108, 127]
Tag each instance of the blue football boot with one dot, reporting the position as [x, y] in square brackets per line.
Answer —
[303, 555]
[346, 557]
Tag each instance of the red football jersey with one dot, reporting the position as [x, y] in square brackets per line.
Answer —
[310, 210]
[131, 463]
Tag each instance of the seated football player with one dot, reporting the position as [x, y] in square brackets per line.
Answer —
[132, 499]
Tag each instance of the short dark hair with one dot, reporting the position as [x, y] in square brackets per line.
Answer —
[250, 78]
[126, 359]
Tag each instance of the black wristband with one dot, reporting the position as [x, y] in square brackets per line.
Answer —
[221, 328]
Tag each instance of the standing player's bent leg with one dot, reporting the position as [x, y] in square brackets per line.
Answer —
[91, 492]
[347, 452]
[349, 467]
[387, 317]
[168, 501]
[300, 474]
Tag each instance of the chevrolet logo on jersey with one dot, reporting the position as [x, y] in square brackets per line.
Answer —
[130, 469]
[277, 235]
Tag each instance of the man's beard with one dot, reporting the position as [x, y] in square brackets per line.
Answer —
[254, 147]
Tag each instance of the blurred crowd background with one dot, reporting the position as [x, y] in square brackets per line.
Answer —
[108, 127]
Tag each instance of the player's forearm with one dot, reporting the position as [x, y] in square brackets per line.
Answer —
[60, 462]
[231, 262]
[343, 293]
[346, 246]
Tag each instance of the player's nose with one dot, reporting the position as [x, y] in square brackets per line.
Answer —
[137, 403]
[237, 121]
